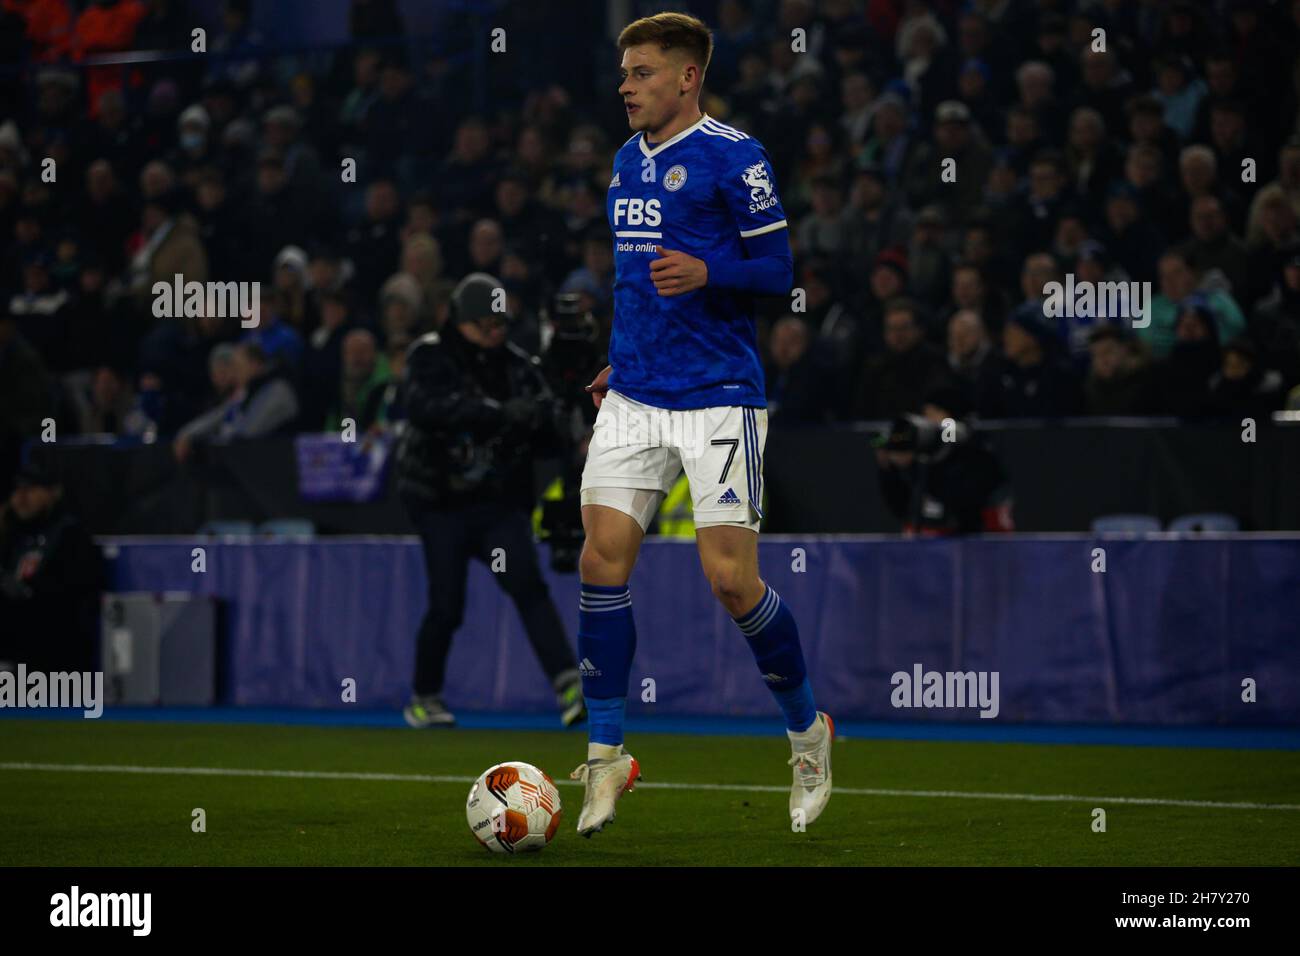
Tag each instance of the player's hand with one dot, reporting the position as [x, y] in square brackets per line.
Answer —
[675, 273]
[600, 385]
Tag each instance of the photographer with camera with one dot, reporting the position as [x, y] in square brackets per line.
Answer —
[936, 474]
[479, 410]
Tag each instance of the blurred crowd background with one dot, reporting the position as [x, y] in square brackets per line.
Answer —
[1127, 164]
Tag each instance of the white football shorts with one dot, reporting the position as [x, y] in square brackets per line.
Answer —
[638, 449]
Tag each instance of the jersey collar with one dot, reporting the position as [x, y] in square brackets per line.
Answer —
[704, 118]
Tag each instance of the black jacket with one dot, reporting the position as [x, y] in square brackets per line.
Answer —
[51, 575]
[476, 419]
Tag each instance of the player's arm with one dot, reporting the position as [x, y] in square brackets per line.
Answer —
[768, 268]
[748, 188]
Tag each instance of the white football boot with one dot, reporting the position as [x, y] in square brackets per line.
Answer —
[811, 760]
[608, 774]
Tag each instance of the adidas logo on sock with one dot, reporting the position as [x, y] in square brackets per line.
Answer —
[587, 669]
[773, 678]
[729, 498]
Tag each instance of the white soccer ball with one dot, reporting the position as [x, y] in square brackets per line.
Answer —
[513, 808]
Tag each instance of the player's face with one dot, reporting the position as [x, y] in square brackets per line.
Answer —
[651, 87]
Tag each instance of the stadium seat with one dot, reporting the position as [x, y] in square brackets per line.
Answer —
[227, 529]
[1133, 524]
[287, 528]
[1205, 521]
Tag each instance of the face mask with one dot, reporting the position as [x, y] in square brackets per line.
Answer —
[192, 142]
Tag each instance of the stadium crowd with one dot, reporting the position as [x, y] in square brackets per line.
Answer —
[1166, 152]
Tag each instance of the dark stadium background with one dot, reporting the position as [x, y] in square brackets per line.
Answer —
[469, 158]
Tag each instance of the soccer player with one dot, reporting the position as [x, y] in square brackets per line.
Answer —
[698, 229]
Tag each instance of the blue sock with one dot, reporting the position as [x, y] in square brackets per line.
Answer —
[606, 643]
[774, 638]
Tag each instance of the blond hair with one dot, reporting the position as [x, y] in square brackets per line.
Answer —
[671, 31]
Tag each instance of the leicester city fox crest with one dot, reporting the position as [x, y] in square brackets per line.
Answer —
[760, 187]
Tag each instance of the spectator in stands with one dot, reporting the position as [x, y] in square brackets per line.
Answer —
[268, 404]
[228, 394]
[1184, 376]
[1180, 91]
[1106, 86]
[929, 258]
[224, 228]
[1198, 171]
[168, 245]
[1094, 161]
[798, 381]
[1213, 246]
[41, 309]
[374, 245]
[821, 231]
[594, 280]
[1243, 388]
[1272, 235]
[1035, 381]
[1128, 235]
[105, 218]
[1119, 379]
[1144, 171]
[400, 305]
[279, 341]
[293, 283]
[971, 290]
[1179, 280]
[486, 245]
[894, 382]
[1276, 322]
[422, 260]
[105, 405]
[971, 356]
[1033, 218]
[195, 150]
[876, 217]
[1036, 83]
[365, 378]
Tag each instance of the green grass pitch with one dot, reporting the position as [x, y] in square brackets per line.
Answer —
[94, 817]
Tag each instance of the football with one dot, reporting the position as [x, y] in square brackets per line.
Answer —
[513, 808]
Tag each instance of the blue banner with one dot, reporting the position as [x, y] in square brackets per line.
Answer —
[331, 469]
[1174, 630]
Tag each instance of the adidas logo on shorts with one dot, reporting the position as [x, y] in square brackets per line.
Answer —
[729, 498]
[587, 669]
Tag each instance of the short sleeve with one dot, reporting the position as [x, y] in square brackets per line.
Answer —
[748, 187]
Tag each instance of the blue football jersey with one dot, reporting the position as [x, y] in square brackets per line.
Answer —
[702, 192]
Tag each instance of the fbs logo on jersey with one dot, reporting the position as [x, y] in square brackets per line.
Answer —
[760, 187]
[729, 498]
[675, 179]
[614, 182]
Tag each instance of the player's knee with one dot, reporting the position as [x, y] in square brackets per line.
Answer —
[729, 584]
[601, 564]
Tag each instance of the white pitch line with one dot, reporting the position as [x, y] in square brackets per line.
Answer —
[728, 787]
